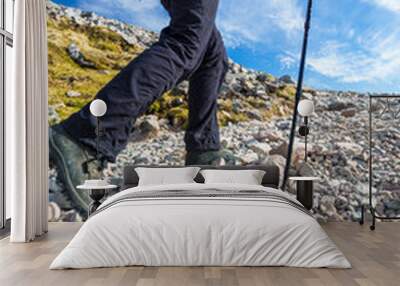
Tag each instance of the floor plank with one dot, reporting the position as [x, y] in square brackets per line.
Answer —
[375, 257]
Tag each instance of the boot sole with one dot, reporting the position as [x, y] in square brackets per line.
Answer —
[72, 193]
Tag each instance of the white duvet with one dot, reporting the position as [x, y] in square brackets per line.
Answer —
[200, 231]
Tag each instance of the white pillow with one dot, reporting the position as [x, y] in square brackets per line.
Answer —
[166, 176]
[248, 177]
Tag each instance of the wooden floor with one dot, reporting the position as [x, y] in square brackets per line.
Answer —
[375, 257]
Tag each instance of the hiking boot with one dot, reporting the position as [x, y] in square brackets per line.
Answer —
[210, 157]
[74, 164]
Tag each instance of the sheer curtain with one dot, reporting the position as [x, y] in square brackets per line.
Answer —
[26, 124]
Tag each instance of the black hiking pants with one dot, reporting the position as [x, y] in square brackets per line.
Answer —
[189, 48]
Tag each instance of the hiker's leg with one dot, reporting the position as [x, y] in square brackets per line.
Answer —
[153, 72]
[202, 133]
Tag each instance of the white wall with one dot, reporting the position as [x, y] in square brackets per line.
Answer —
[9, 26]
[8, 86]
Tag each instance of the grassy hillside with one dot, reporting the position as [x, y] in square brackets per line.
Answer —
[109, 52]
[106, 49]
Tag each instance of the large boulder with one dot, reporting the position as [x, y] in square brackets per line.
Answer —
[305, 170]
[336, 104]
[261, 149]
[249, 158]
[149, 126]
[54, 212]
[297, 151]
[286, 79]
[349, 112]
[276, 160]
[327, 208]
[281, 150]
[75, 53]
[271, 136]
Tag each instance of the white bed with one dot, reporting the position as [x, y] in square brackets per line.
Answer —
[207, 230]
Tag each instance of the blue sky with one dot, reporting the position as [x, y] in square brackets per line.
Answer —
[354, 44]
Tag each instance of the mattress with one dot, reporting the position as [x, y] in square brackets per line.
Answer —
[201, 225]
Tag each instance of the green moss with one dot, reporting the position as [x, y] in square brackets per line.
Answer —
[101, 36]
[178, 116]
[155, 107]
[256, 102]
[225, 104]
[270, 77]
[65, 112]
[225, 117]
[162, 105]
[108, 46]
[287, 91]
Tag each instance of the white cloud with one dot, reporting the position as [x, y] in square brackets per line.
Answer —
[242, 22]
[391, 5]
[248, 22]
[374, 58]
[145, 13]
[287, 61]
[341, 48]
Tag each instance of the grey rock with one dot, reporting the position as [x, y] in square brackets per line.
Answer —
[260, 91]
[75, 54]
[262, 77]
[283, 125]
[341, 202]
[177, 102]
[350, 112]
[103, 71]
[54, 212]
[181, 89]
[149, 126]
[276, 160]
[327, 207]
[70, 216]
[262, 149]
[337, 105]
[249, 158]
[254, 114]
[72, 93]
[350, 148]
[132, 34]
[286, 79]
[53, 116]
[272, 87]
[305, 170]
[281, 150]
[267, 135]
[307, 95]
[140, 159]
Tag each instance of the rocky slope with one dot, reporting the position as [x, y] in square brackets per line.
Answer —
[86, 50]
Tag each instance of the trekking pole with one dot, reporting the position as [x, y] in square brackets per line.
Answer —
[299, 89]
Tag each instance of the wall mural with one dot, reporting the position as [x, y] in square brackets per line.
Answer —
[254, 113]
